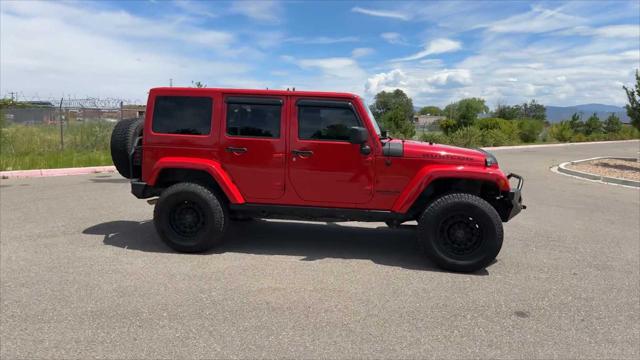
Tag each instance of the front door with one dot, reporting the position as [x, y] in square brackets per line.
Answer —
[324, 167]
[253, 145]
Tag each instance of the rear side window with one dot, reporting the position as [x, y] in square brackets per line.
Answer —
[182, 115]
[325, 123]
[253, 120]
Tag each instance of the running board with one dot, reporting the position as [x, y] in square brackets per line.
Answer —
[314, 213]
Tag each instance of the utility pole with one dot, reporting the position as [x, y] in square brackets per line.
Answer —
[12, 94]
[61, 122]
[170, 82]
[121, 109]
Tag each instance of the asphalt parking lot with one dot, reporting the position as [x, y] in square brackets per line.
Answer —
[82, 275]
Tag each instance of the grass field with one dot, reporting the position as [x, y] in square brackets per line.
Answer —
[24, 147]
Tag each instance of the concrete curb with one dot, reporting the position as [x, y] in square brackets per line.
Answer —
[22, 174]
[558, 145]
[562, 168]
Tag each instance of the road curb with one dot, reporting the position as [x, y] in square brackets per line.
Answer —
[558, 145]
[22, 174]
[562, 168]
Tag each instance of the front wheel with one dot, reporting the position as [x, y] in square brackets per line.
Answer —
[461, 232]
[190, 218]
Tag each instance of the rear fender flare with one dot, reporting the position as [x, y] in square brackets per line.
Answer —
[428, 174]
[212, 167]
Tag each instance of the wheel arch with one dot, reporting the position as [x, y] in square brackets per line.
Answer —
[169, 171]
[429, 184]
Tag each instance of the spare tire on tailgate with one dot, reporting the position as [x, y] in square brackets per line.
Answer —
[123, 139]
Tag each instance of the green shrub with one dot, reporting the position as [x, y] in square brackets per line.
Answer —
[434, 137]
[495, 137]
[629, 132]
[579, 137]
[561, 131]
[469, 137]
[488, 123]
[529, 129]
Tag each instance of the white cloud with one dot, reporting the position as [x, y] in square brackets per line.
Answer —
[331, 74]
[199, 8]
[437, 46]
[321, 40]
[417, 81]
[538, 20]
[361, 52]
[51, 49]
[382, 13]
[393, 38]
[611, 31]
[262, 10]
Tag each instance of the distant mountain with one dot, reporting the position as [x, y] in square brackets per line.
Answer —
[559, 113]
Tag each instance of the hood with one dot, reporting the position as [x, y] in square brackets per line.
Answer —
[424, 150]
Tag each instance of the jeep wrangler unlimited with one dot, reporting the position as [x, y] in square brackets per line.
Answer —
[215, 156]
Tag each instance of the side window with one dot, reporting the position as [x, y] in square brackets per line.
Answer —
[255, 120]
[325, 123]
[182, 115]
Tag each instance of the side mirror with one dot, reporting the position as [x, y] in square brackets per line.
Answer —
[358, 135]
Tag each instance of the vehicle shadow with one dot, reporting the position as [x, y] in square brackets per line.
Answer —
[310, 241]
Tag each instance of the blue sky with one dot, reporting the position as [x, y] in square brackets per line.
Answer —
[560, 53]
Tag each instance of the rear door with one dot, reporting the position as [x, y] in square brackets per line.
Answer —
[253, 145]
[324, 167]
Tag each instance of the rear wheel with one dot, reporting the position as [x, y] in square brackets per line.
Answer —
[123, 138]
[461, 232]
[190, 218]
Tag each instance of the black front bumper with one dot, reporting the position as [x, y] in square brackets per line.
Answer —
[514, 198]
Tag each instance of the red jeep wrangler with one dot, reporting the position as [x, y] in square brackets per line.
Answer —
[214, 156]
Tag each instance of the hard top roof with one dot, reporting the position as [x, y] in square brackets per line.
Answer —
[255, 92]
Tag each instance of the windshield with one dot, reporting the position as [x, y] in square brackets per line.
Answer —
[373, 119]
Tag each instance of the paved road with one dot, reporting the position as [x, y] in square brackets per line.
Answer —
[83, 275]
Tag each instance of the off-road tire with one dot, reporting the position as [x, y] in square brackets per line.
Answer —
[123, 138]
[181, 201]
[445, 219]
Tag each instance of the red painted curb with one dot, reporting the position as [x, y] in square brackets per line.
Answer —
[22, 174]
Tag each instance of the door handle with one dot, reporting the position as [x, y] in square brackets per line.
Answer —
[302, 153]
[236, 150]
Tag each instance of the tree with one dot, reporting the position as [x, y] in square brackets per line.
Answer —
[533, 110]
[576, 123]
[592, 125]
[613, 124]
[507, 112]
[447, 126]
[199, 85]
[387, 101]
[633, 107]
[465, 111]
[430, 110]
[396, 123]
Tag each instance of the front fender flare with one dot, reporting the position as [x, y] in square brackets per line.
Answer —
[212, 167]
[430, 173]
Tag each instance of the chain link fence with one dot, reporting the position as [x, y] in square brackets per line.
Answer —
[68, 134]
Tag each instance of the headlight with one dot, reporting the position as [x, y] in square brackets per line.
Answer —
[490, 160]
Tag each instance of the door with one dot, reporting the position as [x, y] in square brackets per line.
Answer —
[324, 167]
[253, 145]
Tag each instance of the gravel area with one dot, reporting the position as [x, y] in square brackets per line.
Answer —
[617, 168]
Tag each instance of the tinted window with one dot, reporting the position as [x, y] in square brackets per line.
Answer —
[253, 120]
[324, 123]
[182, 115]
